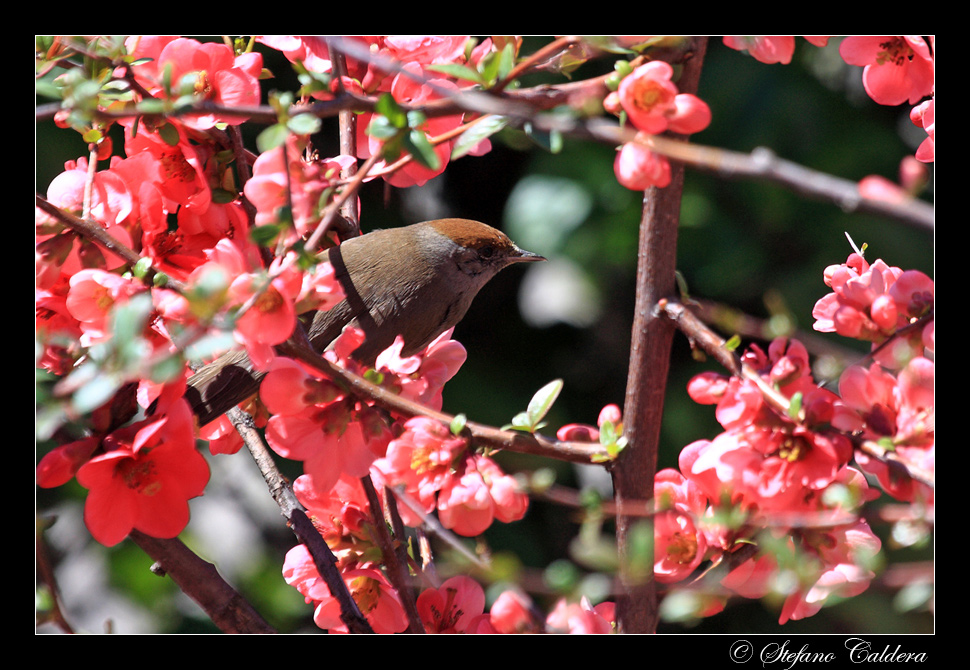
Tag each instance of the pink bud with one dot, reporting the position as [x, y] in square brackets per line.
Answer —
[691, 115]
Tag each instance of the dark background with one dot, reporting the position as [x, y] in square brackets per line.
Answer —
[754, 246]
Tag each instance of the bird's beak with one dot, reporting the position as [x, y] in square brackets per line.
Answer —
[521, 256]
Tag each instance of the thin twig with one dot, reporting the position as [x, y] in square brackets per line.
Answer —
[300, 523]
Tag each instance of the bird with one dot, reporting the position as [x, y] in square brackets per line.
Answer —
[416, 281]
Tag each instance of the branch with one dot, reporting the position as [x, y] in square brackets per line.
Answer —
[511, 440]
[300, 523]
[201, 581]
[635, 468]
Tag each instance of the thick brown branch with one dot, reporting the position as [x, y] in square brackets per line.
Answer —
[200, 580]
[634, 470]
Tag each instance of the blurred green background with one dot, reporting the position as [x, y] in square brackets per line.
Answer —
[756, 247]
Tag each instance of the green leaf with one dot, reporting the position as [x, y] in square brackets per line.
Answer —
[733, 343]
[95, 387]
[169, 134]
[417, 144]
[542, 401]
[469, 139]
[265, 235]
[304, 124]
[458, 424]
[92, 135]
[506, 60]
[380, 128]
[271, 137]
[387, 107]
[458, 71]
[519, 422]
[142, 267]
[206, 347]
[129, 318]
[639, 554]
[795, 405]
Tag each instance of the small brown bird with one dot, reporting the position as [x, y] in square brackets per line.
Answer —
[416, 281]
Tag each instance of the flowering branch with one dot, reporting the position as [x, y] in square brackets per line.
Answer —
[227, 248]
[635, 469]
[714, 345]
[299, 522]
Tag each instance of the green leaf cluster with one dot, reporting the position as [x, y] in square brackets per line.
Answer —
[531, 420]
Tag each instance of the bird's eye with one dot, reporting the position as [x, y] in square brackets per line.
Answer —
[486, 252]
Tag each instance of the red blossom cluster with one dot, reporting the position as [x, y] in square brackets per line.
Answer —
[792, 483]
[652, 103]
[172, 198]
[416, 85]
[897, 69]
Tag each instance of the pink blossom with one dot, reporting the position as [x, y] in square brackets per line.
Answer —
[584, 433]
[59, 465]
[56, 329]
[421, 458]
[409, 92]
[93, 296]
[315, 423]
[897, 68]
[902, 409]
[111, 199]
[283, 177]
[476, 494]
[877, 187]
[426, 49]
[638, 168]
[111, 204]
[178, 171]
[924, 116]
[844, 554]
[762, 460]
[678, 546]
[867, 304]
[647, 96]
[690, 115]
[451, 607]
[422, 377]
[764, 48]
[309, 50]
[342, 514]
[221, 436]
[210, 70]
[368, 586]
[511, 613]
[145, 477]
[582, 618]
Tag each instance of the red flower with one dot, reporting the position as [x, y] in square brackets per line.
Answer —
[375, 597]
[898, 68]
[453, 606]
[145, 478]
[637, 167]
[209, 70]
[924, 116]
[647, 96]
[764, 48]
